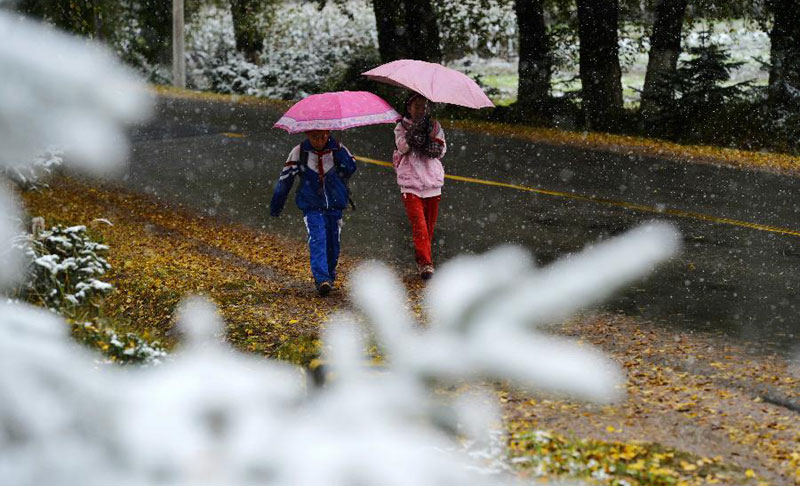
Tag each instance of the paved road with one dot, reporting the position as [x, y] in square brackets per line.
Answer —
[732, 277]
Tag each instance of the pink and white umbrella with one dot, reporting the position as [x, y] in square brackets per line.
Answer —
[337, 110]
[433, 81]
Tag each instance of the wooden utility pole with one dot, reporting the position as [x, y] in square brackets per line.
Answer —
[178, 46]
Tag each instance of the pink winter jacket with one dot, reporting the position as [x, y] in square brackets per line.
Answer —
[416, 173]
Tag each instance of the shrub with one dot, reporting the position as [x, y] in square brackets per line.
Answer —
[785, 127]
[63, 269]
[125, 348]
[487, 28]
[784, 110]
[696, 93]
[301, 52]
[33, 176]
[348, 76]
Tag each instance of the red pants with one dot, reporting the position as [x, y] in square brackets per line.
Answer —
[422, 213]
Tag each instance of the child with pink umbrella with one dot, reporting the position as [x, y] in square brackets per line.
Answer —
[420, 143]
[324, 167]
[417, 161]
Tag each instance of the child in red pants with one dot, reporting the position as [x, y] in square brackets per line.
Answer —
[417, 162]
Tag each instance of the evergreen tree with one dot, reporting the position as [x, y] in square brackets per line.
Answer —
[697, 92]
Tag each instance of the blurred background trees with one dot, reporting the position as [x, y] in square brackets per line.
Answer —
[611, 65]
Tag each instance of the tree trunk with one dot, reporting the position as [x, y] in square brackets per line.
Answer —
[784, 74]
[600, 73]
[389, 21]
[246, 31]
[665, 47]
[407, 29]
[422, 31]
[535, 64]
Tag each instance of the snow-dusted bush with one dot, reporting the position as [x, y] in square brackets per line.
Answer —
[34, 176]
[487, 28]
[302, 49]
[697, 93]
[64, 269]
[785, 124]
[209, 42]
[118, 348]
[131, 41]
[305, 46]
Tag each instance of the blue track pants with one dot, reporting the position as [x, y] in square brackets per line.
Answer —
[323, 243]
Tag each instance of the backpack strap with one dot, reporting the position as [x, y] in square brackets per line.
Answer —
[303, 162]
[338, 146]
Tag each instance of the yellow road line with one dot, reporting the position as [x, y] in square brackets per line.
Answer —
[233, 134]
[612, 202]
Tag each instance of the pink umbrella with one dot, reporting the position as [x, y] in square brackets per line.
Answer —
[337, 111]
[433, 81]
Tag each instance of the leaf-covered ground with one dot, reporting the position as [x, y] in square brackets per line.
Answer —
[734, 411]
[160, 255]
[698, 410]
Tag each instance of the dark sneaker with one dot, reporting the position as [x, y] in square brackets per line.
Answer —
[324, 288]
[426, 272]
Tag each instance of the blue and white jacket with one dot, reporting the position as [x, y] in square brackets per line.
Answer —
[323, 177]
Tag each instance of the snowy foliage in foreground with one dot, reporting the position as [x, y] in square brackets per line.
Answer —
[57, 90]
[484, 322]
[212, 415]
[10, 254]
